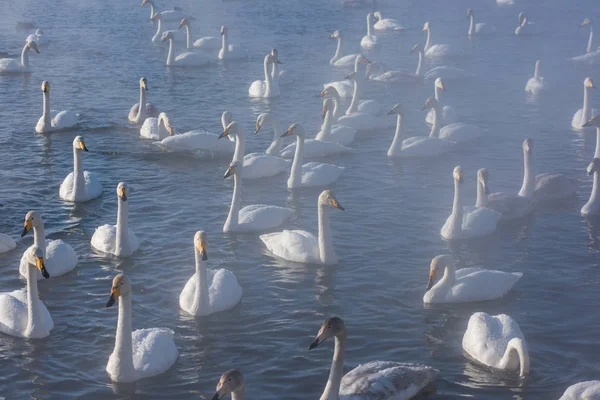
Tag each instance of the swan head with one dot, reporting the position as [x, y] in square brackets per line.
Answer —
[585, 22]
[155, 17]
[426, 26]
[122, 191]
[295, 129]
[528, 145]
[273, 58]
[588, 82]
[46, 87]
[439, 263]
[274, 53]
[223, 30]
[377, 15]
[167, 35]
[329, 91]
[233, 167]
[120, 287]
[336, 35]
[39, 32]
[458, 174]
[438, 83]
[328, 198]
[522, 18]
[469, 13]
[327, 105]
[430, 103]
[370, 18]
[397, 109]
[31, 45]
[595, 121]
[262, 119]
[416, 49]
[38, 255]
[331, 327]
[32, 219]
[351, 76]
[184, 22]
[200, 244]
[233, 128]
[231, 381]
[482, 177]
[144, 2]
[79, 143]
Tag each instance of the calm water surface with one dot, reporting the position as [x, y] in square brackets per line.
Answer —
[385, 239]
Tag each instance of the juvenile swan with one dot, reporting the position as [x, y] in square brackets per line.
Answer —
[53, 120]
[231, 382]
[79, 185]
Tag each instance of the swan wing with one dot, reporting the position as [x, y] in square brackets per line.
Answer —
[134, 112]
[534, 85]
[364, 122]
[588, 390]
[479, 221]
[189, 59]
[460, 132]
[259, 217]
[343, 135]
[224, 289]
[315, 148]
[425, 146]
[10, 65]
[344, 88]
[372, 107]
[104, 239]
[296, 245]
[7, 243]
[65, 119]
[388, 24]
[196, 140]
[346, 61]
[320, 174]
[60, 259]
[257, 165]
[92, 187]
[511, 206]
[399, 76]
[257, 89]
[592, 57]
[551, 187]
[369, 42]
[14, 312]
[149, 129]
[483, 285]
[461, 273]
[154, 351]
[208, 43]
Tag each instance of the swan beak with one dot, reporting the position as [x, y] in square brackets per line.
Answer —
[589, 123]
[258, 126]
[336, 204]
[202, 250]
[39, 263]
[27, 228]
[230, 171]
[315, 343]
[349, 76]
[424, 107]
[276, 60]
[115, 291]
[323, 93]
[431, 280]
[288, 132]
[366, 60]
[220, 393]
[391, 112]
[332, 36]
[82, 146]
[224, 133]
[122, 194]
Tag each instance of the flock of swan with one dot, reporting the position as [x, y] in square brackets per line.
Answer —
[492, 341]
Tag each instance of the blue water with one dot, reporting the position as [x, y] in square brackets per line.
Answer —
[385, 239]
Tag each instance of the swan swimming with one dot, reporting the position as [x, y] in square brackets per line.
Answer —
[445, 72]
[338, 60]
[139, 114]
[340, 134]
[119, 239]
[52, 120]
[22, 313]
[435, 50]
[370, 107]
[370, 41]
[536, 83]
[584, 114]
[496, 341]
[395, 149]
[59, 257]
[592, 55]
[548, 187]
[207, 43]
[344, 87]
[522, 23]
[480, 28]
[588, 390]
[595, 122]
[386, 24]
[231, 382]
[174, 14]
[10, 65]
[403, 76]
[265, 89]
[187, 59]
[280, 77]
[311, 174]
[448, 115]
[592, 207]
[467, 284]
[384, 380]
[208, 291]
[79, 185]
[303, 247]
[157, 38]
[230, 51]
[142, 353]
[157, 128]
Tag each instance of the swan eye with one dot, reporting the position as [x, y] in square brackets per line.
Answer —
[229, 380]
[329, 327]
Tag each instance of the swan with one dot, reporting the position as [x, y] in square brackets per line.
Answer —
[338, 60]
[208, 291]
[480, 28]
[314, 148]
[460, 132]
[344, 87]
[496, 341]
[231, 382]
[592, 55]
[468, 222]
[79, 185]
[7, 243]
[9, 65]
[341, 134]
[403, 76]
[157, 38]
[302, 246]
[277, 143]
[444, 72]
[514, 206]
[174, 14]
[157, 128]
[52, 120]
[38, 37]
[584, 114]
[448, 114]
[370, 41]
[371, 107]
[384, 380]
[588, 390]
[139, 114]
[265, 89]
[536, 83]
[386, 24]
[119, 239]
[595, 122]
[59, 257]
[311, 174]
[337, 101]
[395, 149]
[522, 23]
[280, 77]
[592, 207]
[548, 187]
[467, 284]
[230, 51]
[435, 50]
[22, 313]
[505, 2]
[142, 353]
[207, 43]
[187, 59]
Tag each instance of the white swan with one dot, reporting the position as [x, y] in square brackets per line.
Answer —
[592, 55]
[7, 243]
[505, 2]
[386, 24]
[10, 65]
[280, 77]
[514, 206]
[522, 24]
[277, 143]
[338, 60]
[231, 382]
[174, 14]
[302, 246]
[60, 258]
[79, 185]
[117, 239]
[448, 114]
[311, 174]
[436, 50]
[142, 353]
[139, 114]
[387, 380]
[157, 128]
[592, 207]
[480, 28]
[22, 313]
[340, 134]
[230, 51]
[588, 390]
[496, 341]
[467, 284]
[370, 41]
[345, 88]
[52, 120]
[548, 187]
[265, 89]
[403, 76]
[207, 43]
[208, 291]
[395, 149]
[337, 101]
[595, 122]
[187, 59]
[584, 114]
[157, 38]
[460, 132]
[314, 148]
[536, 83]
[38, 37]
[468, 222]
[371, 107]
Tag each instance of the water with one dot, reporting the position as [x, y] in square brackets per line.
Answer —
[385, 239]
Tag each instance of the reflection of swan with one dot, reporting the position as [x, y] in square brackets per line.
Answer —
[142, 353]
[232, 382]
[187, 59]
[139, 114]
[174, 14]
[157, 128]
[79, 185]
[52, 120]
[435, 50]
[386, 24]
[8, 65]
[370, 41]
[310, 174]
[466, 284]
[265, 89]
[117, 239]
[302, 246]
[403, 76]
[280, 77]
[536, 83]
[372, 380]
[208, 291]
[230, 51]
[60, 258]
[592, 207]
[345, 87]
[339, 134]
[584, 114]
[448, 114]
[338, 60]
[480, 28]
[207, 43]
[22, 313]
[588, 390]
[591, 55]
[467, 222]
[496, 341]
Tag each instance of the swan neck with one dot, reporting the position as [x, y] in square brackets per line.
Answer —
[326, 126]
[188, 37]
[151, 10]
[332, 389]
[456, 217]
[397, 142]
[419, 64]
[528, 176]
[436, 93]
[238, 395]
[25, 56]
[141, 115]
[123, 341]
[326, 251]
[296, 172]
[472, 25]
[435, 128]
[338, 51]
[595, 195]
[587, 107]
[277, 143]
[482, 197]
[337, 109]
[224, 42]
[240, 148]
[46, 109]
[268, 79]
[234, 210]
[597, 152]
[158, 28]
[275, 71]
[33, 302]
[122, 237]
[428, 41]
[355, 97]
[590, 40]
[201, 302]
[39, 237]
[536, 73]
[516, 348]
[369, 26]
[78, 178]
[170, 56]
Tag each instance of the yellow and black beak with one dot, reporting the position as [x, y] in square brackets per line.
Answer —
[39, 263]
[224, 133]
[392, 111]
[202, 249]
[336, 204]
[431, 280]
[323, 93]
[219, 394]
[27, 227]
[289, 132]
[424, 106]
[230, 171]
[258, 126]
[318, 340]
[115, 292]
[123, 194]
[589, 123]
[82, 146]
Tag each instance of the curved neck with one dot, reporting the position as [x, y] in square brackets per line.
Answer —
[428, 41]
[368, 26]
[224, 42]
[436, 93]
[516, 349]
[524, 22]
[447, 281]
[275, 71]
[536, 73]
[33, 302]
[295, 179]
[482, 197]
[332, 389]
[397, 142]
[158, 28]
[25, 56]
[151, 9]
[39, 237]
[123, 342]
[141, 115]
[590, 40]
[188, 37]
[586, 113]
[419, 64]
[337, 109]
[78, 179]
[435, 128]
[326, 126]
[201, 302]
[268, 79]
[528, 176]
[234, 209]
[277, 143]
[122, 238]
[472, 26]
[457, 211]
[595, 195]
[170, 56]
[597, 152]
[46, 108]
[326, 251]
[240, 148]
[355, 96]
[338, 51]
